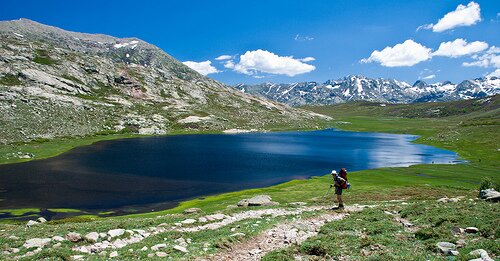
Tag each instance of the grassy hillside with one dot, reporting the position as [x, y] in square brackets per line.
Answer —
[469, 128]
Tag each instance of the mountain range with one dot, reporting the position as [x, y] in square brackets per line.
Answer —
[355, 88]
[57, 83]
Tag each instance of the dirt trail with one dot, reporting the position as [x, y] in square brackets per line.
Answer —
[281, 236]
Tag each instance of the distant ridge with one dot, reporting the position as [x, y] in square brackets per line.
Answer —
[356, 88]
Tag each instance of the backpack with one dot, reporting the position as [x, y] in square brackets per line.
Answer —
[341, 184]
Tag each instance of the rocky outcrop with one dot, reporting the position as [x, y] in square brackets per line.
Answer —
[490, 195]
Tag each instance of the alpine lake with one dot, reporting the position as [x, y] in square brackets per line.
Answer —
[154, 173]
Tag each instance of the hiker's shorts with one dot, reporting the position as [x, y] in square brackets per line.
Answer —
[338, 191]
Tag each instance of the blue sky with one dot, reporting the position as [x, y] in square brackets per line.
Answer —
[261, 37]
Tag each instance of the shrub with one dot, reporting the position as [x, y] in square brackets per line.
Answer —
[9, 80]
[486, 183]
[42, 57]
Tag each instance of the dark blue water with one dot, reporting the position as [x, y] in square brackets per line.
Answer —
[161, 171]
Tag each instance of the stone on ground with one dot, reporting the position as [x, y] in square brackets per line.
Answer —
[32, 223]
[58, 238]
[73, 237]
[446, 247]
[482, 254]
[260, 200]
[191, 210]
[158, 246]
[113, 254]
[181, 248]
[471, 230]
[116, 232]
[188, 221]
[36, 242]
[92, 236]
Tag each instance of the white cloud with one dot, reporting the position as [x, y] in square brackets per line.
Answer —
[204, 68]
[490, 58]
[229, 64]
[307, 59]
[301, 38]
[253, 62]
[462, 16]
[495, 73]
[432, 76]
[223, 57]
[425, 27]
[460, 47]
[408, 53]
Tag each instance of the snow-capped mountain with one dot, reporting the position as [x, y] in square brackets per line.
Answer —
[354, 88]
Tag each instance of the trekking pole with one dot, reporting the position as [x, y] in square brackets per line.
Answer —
[328, 191]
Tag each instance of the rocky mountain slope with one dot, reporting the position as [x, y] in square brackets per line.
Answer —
[354, 88]
[56, 83]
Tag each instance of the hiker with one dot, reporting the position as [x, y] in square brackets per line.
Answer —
[340, 183]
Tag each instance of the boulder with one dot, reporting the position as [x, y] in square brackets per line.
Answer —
[181, 248]
[32, 223]
[255, 251]
[73, 237]
[58, 238]
[243, 203]
[92, 236]
[443, 200]
[446, 247]
[158, 246]
[116, 232]
[36, 242]
[482, 254]
[490, 195]
[188, 221]
[192, 210]
[161, 254]
[41, 220]
[113, 254]
[457, 230]
[471, 230]
[215, 217]
[297, 204]
[461, 243]
[119, 243]
[259, 200]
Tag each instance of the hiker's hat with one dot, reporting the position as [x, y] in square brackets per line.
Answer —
[334, 172]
